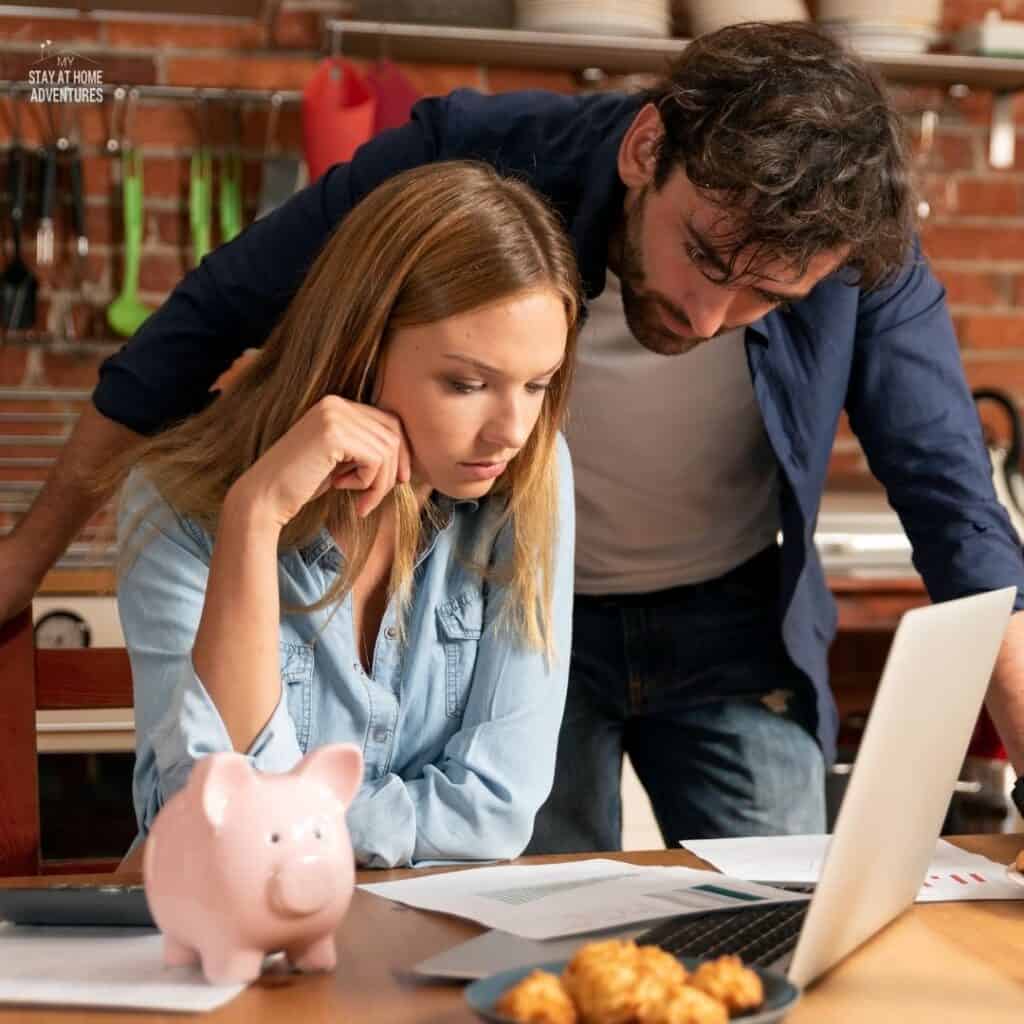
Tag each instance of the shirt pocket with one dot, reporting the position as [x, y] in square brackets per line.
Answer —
[460, 623]
[297, 679]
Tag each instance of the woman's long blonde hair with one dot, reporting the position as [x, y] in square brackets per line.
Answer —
[427, 244]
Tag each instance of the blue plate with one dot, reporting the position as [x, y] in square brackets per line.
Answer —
[780, 995]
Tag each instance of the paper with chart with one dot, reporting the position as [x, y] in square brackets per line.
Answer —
[548, 900]
[953, 874]
[108, 967]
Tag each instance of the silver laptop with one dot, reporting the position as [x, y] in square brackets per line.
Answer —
[914, 744]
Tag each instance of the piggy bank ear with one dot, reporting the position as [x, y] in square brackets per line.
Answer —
[339, 766]
[216, 778]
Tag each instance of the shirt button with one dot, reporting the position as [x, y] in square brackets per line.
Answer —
[391, 632]
[380, 734]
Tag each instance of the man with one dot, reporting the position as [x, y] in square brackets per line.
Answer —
[748, 223]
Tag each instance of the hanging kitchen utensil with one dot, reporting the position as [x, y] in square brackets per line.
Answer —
[127, 313]
[394, 92]
[18, 286]
[44, 229]
[230, 205]
[200, 191]
[281, 173]
[77, 315]
[1006, 461]
[338, 113]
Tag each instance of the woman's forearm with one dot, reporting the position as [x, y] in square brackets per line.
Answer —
[237, 651]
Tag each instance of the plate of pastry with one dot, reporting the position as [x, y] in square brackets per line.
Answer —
[618, 980]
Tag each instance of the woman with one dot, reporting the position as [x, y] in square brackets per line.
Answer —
[369, 536]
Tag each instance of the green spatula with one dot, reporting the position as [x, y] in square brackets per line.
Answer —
[127, 313]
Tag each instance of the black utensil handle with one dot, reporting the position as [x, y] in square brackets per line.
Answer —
[77, 197]
[16, 182]
[49, 181]
[1009, 407]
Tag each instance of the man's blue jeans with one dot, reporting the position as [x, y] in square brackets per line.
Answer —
[695, 685]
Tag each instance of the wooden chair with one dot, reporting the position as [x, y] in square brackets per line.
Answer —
[44, 680]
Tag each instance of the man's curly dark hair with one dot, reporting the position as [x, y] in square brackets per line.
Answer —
[792, 136]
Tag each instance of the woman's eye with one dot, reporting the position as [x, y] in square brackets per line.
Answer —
[465, 387]
[537, 389]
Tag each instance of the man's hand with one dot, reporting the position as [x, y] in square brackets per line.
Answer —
[1005, 700]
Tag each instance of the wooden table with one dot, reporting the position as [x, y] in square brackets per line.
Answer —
[941, 963]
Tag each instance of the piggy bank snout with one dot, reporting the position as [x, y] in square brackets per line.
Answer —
[304, 885]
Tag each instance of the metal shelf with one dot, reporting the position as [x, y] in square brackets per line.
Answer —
[622, 54]
[636, 54]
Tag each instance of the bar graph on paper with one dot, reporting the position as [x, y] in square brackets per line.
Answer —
[968, 885]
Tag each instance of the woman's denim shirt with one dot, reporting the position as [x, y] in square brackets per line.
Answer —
[458, 727]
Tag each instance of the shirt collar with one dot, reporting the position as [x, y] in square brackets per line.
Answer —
[601, 203]
[323, 544]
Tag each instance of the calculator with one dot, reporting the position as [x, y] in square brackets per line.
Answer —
[63, 903]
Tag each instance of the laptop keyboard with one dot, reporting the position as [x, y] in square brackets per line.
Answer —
[760, 935]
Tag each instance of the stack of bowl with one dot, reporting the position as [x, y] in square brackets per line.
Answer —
[598, 17]
[883, 26]
[709, 15]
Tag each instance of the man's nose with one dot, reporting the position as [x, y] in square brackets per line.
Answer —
[707, 309]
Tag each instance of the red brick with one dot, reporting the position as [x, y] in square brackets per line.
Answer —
[297, 30]
[977, 197]
[165, 177]
[61, 30]
[160, 272]
[70, 371]
[22, 473]
[439, 79]
[12, 365]
[34, 451]
[240, 72]
[513, 79]
[973, 241]
[990, 330]
[169, 34]
[970, 288]
[950, 151]
[1006, 373]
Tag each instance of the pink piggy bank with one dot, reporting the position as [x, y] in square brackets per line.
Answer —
[240, 863]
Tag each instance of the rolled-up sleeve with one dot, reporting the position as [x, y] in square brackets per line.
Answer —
[479, 799]
[162, 585]
[911, 407]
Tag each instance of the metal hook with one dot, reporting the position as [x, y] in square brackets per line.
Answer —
[113, 145]
[269, 143]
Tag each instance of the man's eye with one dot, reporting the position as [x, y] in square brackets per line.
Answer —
[695, 254]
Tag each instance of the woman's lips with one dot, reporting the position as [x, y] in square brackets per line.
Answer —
[483, 470]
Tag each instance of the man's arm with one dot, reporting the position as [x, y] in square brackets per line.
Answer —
[1005, 700]
[61, 509]
[911, 406]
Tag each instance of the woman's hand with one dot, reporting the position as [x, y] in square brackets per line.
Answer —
[338, 444]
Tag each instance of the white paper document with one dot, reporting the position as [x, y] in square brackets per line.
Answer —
[953, 874]
[109, 967]
[548, 900]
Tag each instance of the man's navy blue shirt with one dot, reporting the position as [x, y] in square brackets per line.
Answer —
[889, 356]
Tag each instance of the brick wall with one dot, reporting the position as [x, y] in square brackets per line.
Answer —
[974, 234]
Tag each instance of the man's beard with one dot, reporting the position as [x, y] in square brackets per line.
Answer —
[645, 323]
